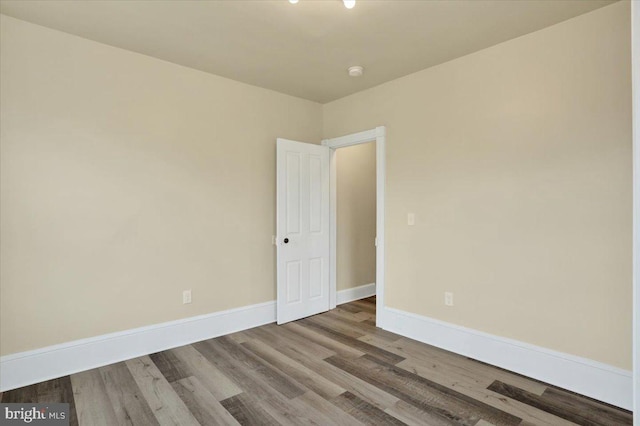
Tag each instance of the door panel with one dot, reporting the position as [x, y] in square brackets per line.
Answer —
[315, 277]
[315, 194]
[293, 281]
[292, 193]
[303, 222]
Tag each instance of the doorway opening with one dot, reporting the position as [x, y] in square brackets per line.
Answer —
[355, 222]
[377, 138]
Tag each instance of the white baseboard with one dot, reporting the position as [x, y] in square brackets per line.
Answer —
[584, 376]
[26, 368]
[35, 366]
[597, 380]
[356, 293]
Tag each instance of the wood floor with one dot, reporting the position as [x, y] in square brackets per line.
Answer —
[335, 368]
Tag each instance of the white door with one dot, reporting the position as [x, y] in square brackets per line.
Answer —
[303, 229]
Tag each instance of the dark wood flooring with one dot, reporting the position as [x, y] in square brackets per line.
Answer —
[335, 368]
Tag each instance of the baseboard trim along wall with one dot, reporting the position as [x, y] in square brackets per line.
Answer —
[584, 376]
[594, 379]
[356, 293]
[26, 368]
[47, 363]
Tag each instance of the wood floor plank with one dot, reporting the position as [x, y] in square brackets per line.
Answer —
[220, 386]
[66, 395]
[338, 325]
[374, 340]
[127, 400]
[171, 367]
[375, 351]
[52, 390]
[395, 390]
[270, 389]
[279, 381]
[342, 313]
[293, 412]
[238, 352]
[93, 405]
[476, 390]
[581, 414]
[364, 327]
[58, 390]
[366, 316]
[283, 335]
[238, 337]
[341, 378]
[412, 415]
[322, 346]
[365, 306]
[363, 411]
[165, 404]
[247, 411]
[311, 335]
[486, 423]
[202, 404]
[262, 381]
[254, 374]
[303, 375]
[457, 365]
[350, 307]
[424, 394]
[335, 414]
[594, 411]
[25, 394]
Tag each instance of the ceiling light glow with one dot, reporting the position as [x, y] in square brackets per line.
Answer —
[356, 71]
[349, 4]
[293, 1]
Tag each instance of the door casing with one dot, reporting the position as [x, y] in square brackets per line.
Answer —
[635, 63]
[377, 135]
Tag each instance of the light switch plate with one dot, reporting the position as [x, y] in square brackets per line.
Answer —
[411, 219]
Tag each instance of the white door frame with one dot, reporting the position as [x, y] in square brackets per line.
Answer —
[635, 63]
[377, 135]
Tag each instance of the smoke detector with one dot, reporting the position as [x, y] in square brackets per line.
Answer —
[356, 71]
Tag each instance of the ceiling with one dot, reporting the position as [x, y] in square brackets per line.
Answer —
[303, 49]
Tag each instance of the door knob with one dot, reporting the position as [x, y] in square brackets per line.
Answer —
[286, 240]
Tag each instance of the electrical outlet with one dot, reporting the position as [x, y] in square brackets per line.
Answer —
[186, 296]
[411, 219]
[448, 298]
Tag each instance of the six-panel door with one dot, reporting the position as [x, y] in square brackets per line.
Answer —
[303, 229]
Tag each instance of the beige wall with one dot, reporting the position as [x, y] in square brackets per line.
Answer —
[356, 215]
[125, 180]
[517, 163]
